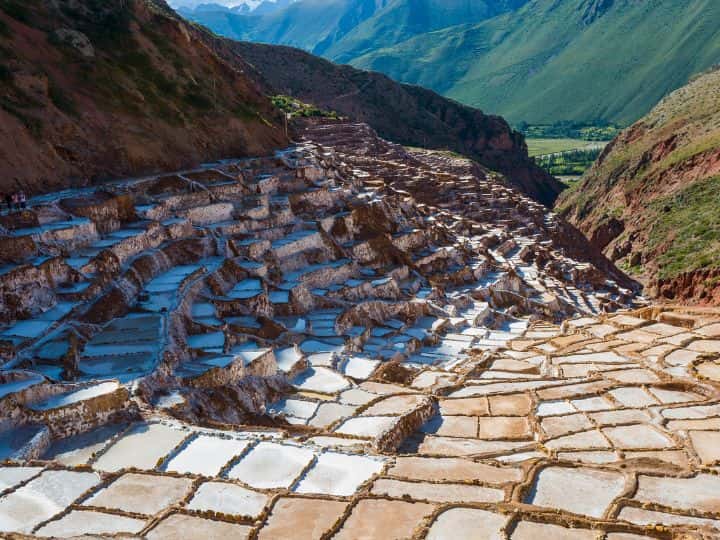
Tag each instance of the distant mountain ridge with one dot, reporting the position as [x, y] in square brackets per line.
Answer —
[257, 7]
[538, 61]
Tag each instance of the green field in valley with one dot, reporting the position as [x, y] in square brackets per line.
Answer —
[541, 147]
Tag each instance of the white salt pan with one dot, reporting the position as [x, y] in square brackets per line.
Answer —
[206, 455]
[339, 474]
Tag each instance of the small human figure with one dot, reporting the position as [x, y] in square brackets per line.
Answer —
[9, 202]
[22, 199]
[15, 201]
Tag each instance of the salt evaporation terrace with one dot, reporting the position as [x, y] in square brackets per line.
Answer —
[347, 340]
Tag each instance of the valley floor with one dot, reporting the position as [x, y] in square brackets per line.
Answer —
[542, 147]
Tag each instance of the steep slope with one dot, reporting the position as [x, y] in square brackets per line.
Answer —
[92, 89]
[652, 200]
[402, 113]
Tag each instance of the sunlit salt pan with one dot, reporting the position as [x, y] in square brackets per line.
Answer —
[550, 408]
[633, 397]
[339, 474]
[359, 368]
[11, 476]
[321, 379]
[581, 491]
[141, 447]
[142, 493]
[328, 413]
[42, 498]
[366, 426]
[84, 522]
[206, 455]
[228, 499]
[271, 465]
[641, 516]
[287, 358]
[298, 408]
[467, 524]
[248, 351]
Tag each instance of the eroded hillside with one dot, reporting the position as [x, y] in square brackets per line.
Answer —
[92, 89]
[651, 201]
[403, 113]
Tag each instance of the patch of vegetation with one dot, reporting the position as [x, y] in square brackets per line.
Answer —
[166, 49]
[541, 147]
[195, 97]
[699, 145]
[5, 30]
[570, 181]
[5, 74]
[245, 111]
[295, 107]
[569, 163]
[32, 123]
[451, 154]
[685, 228]
[128, 67]
[142, 66]
[601, 131]
[633, 270]
[105, 79]
[61, 99]
[108, 25]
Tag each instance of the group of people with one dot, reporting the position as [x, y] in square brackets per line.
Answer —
[14, 201]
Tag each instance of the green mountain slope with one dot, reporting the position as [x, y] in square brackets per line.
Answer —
[652, 200]
[577, 60]
[539, 61]
[342, 30]
[401, 20]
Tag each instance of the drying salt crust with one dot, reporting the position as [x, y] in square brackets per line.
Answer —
[346, 340]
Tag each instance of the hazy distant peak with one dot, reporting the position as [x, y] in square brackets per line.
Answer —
[241, 6]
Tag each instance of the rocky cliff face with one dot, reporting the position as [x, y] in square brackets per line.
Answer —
[405, 114]
[651, 201]
[92, 89]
